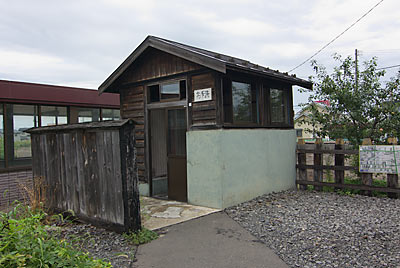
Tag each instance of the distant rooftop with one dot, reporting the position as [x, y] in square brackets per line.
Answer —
[23, 92]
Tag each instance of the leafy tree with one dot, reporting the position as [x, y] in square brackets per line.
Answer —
[359, 108]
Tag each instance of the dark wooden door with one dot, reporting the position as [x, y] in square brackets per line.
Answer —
[176, 149]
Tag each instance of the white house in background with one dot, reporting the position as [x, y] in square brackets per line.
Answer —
[305, 129]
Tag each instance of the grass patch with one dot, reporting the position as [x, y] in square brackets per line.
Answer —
[25, 242]
[353, 181]
[141, 237]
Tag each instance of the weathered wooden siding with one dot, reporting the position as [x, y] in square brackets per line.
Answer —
[133, 107]
[88, 171]
[204, 113]
[154, 63]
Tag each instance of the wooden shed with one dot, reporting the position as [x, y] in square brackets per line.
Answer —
[211, 129]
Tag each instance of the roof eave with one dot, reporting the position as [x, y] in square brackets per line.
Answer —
[279, 76]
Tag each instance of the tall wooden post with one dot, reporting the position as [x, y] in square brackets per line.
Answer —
[339, 162]
[392, 179]
[318, 162]
[366, 178]
[302, 160]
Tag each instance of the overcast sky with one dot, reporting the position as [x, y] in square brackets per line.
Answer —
[79, 43]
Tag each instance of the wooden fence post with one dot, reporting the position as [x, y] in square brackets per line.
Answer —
[302, 160]
[392, 179]
[318, 161]
[339, 162]
[366, 178]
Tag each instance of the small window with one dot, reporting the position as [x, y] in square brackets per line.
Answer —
[19, 118]
[299, 132]
[53, 115]
[182, 89]
[88, 115]
[170, 91]
[278, 104]
[167, 92]
[240, 103]
[154, 93]
[110, 114]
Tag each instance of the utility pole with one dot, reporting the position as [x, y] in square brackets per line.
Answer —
[356, 73]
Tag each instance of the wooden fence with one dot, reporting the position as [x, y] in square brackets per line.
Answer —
[90, 169]
[320, 154]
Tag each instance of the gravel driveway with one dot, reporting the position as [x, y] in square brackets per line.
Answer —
[317, 229]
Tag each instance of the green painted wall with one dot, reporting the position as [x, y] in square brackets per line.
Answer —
[144, 189]
[227, 167]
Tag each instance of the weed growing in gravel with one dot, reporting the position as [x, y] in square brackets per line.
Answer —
[25, 242]
[142, 237]
[352, 192]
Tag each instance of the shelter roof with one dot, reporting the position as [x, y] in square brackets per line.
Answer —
[213, 60]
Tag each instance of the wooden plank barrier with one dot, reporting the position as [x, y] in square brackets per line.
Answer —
[302, 160]
[90, 169]
[338, 150]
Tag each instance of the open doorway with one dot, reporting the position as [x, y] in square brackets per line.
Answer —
[168, 153]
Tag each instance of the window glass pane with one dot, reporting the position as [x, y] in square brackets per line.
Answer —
[1, 136]
[154, 93]
[170, 91]
[242, 102]
[278, 106]
[227, 100]
[110, 114]
[182, 88]
[177, 132]
[88, 115]
[53, 115]
[19, 118]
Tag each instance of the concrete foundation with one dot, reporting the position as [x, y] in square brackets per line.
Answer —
[227, 167]
[144, 189]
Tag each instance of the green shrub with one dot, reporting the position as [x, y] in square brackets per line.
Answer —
[24, 242]
[141, 237]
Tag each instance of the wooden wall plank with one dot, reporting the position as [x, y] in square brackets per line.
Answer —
[155, 64]
[203, 113]
[132, 106]
[80, 151]
[117, 179]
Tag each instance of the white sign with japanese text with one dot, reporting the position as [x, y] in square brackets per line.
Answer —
[204, 94]
[380, 159]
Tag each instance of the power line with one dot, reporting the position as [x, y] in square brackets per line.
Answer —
[334, 39]
[388, 67]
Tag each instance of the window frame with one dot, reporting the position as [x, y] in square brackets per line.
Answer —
[24, 163]
[262, 88]
[168, 82]
[288, 103]
[12, 162]
[57, 117]
[228, 81]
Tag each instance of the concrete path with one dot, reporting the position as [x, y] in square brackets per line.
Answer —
[211, 241]
[158, 213]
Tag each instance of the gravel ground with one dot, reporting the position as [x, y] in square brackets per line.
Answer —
[317, 229]
[101, 244]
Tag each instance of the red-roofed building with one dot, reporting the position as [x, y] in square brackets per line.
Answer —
[25, 105]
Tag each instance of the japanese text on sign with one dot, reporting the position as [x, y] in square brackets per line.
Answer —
[202, 95]
[380, 159]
